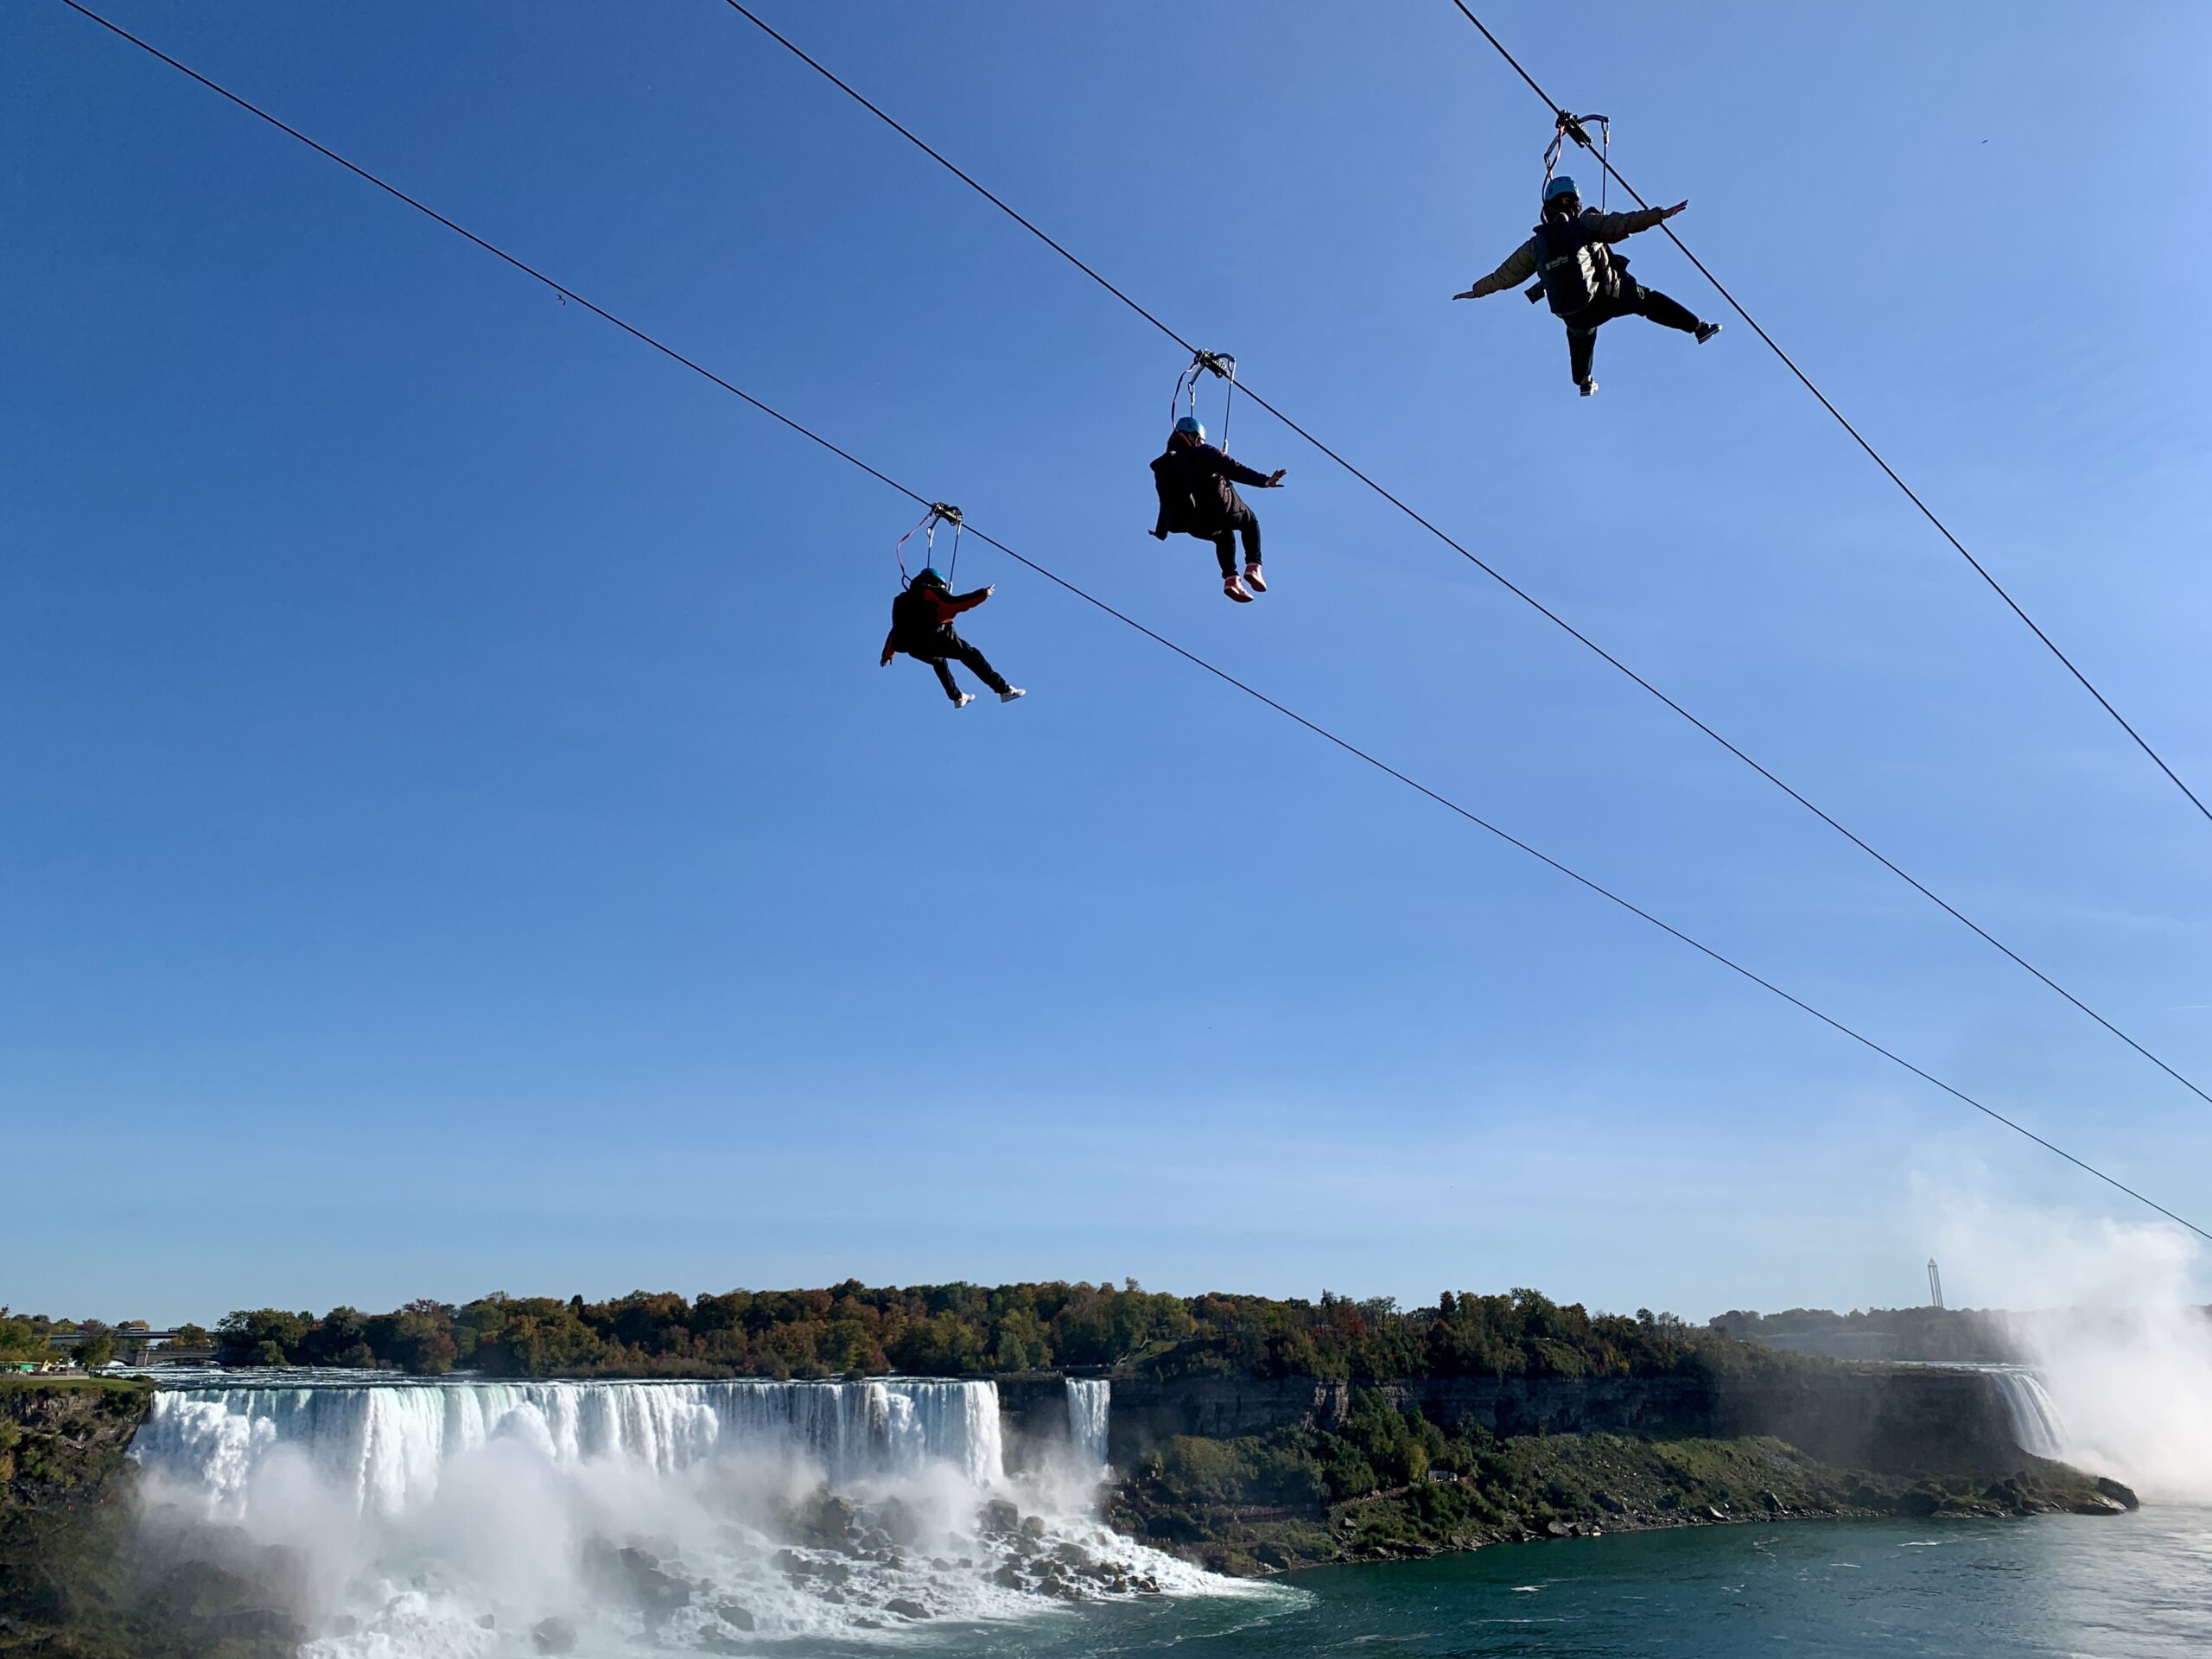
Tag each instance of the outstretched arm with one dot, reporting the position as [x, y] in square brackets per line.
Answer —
[1520, 265]
[952, 605]
[1615, 227]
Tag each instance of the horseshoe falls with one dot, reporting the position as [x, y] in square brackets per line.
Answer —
[2037, 1426]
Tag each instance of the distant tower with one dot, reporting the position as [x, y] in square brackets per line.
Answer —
[1935, 1283]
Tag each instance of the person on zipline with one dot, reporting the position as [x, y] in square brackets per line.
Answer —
[921, 625]
[1197, 497]
[1586, 280]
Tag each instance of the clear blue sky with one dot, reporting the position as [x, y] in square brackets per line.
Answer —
[453, 833]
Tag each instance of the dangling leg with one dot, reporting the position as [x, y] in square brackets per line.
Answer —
[963, 651]
[1667, 313]
[1225, 553]
[1582, 347]
[960, 699]
[1248, 526]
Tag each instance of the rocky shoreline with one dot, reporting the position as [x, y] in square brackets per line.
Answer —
[1192, 1497]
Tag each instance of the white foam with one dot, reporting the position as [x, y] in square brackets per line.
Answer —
[449, 1521]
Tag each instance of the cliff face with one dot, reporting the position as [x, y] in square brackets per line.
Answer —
[1897, 1421]
[64, 1441]
[78, 1577]
[1251, 1475]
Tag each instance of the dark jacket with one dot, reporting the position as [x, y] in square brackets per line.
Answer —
[1198, 488]
[1596, 227]
[919, 616]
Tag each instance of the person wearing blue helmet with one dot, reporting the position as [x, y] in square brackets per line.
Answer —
[1197, 484]
[921, 625]
[1587, 282]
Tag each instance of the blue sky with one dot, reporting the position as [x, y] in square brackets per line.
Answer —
[455, 836]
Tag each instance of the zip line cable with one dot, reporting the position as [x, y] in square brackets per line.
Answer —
[1874, 454]
[1192, 658]
[1504, 581]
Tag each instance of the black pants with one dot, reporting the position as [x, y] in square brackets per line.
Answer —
[1633, 300]
[1244, 523]
[944, 644]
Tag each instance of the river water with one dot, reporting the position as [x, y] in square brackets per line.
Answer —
[474, 1520]
[2138, 1587]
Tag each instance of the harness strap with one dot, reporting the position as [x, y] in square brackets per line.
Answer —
[939, 512]
[1569, 126]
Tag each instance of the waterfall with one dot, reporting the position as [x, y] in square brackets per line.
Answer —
[386, 1445]
[2036, 1427]
[470, 1519]
[1089, 1400]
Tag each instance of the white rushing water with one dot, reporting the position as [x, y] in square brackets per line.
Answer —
[388, 1444]
[1090, 1403]
[462, 1519]
[2037, 1427]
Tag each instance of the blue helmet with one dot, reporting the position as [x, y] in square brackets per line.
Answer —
[928, 577]
[1191, 424]
[1561, 186]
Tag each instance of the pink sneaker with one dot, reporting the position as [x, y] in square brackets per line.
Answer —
[1254, 580]
[1235, 590]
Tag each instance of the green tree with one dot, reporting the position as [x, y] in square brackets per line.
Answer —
[20, 1338]
[261, 1336]
[96, 1347]
[418, 1339]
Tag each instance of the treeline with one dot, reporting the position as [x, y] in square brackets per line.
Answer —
[89, 1343]
[963, 1330]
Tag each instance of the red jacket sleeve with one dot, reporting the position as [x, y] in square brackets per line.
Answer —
[950, 605]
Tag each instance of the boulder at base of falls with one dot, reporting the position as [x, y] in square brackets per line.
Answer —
[653, 1590]
[2097, 1503]
[897, 1521]
[823, 1521]
[736, 1614]
[905, 1607]
[553, 1636]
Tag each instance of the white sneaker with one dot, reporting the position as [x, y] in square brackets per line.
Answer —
[1254, 580]
[1011, 693]
[1235, 590]
[964, 700]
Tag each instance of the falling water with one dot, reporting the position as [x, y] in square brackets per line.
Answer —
[503, 1520]
[2036, 1427]
[1089, 1403]
[388, 1444]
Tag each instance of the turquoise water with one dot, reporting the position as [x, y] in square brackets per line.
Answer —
[2138, 1587]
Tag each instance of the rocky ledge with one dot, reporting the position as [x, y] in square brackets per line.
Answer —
[1294, 1498]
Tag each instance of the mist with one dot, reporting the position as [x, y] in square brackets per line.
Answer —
[397, 1521]
[2111, 1314]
